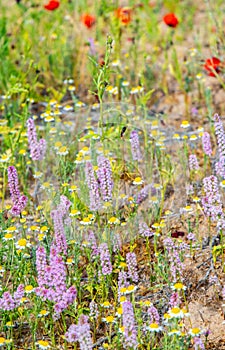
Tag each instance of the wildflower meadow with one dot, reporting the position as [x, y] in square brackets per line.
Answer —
[112, 174]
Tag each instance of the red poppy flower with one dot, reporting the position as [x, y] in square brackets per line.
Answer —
[124, 14]
[212, 65]
[88, 20]
[52, 5]
[171, 20]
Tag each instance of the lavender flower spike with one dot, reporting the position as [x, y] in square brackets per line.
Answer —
[132, 266]
[19, 201]
[135, 146]
[206, 144]
[92, 183]
[37, 149]
[105, 180]
[130, 332]
[81, 333]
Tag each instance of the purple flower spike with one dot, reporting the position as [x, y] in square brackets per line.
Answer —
[19, 201]
[135, 146]
[95, 202]
[105, 180]
[206, 144]
[81, 333]
[37, 149]
[130, 333]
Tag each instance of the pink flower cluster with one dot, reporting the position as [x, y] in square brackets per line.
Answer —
[9, 302]
[52, 280]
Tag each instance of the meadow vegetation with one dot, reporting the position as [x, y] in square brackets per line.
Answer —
[112, 174]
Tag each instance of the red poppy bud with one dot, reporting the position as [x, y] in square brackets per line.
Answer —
[171, 20]
[88, 20]
[124, 14]
[52, 5]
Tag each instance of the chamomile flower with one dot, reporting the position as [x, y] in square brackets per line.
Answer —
[68, 108]
[174, 332]
[72, 188]
[2, 270]
[122, 299]
[37, 175]
[185, 124]
[176, 136]
[69, 261]
[222, 183]
[130, 289]
[8, 237]
[106, 304]
[49, 119]
[119, 311]
[114, 221]
[109, 319]
[138, 181]
[86, 221]
[195, 332]
[125, 83]
[41, 237]
[193, 138]
[11, 229]
[80, 104]
[43, 344]
[62, 151]
[22, 244]
[29, 289]
[154, 327]
[4, 158]
[71, 88]
[34, 228]
[188, 209]
[74, 212]
[176, 312]
[2, 341]
[178, 286]
[43, 313]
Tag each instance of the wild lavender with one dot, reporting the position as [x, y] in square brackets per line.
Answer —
[220, 134]
[93, 310]
[122, 282]
[198, 344]
[81, 333]
[105, 259]
[130, 332]
[94, 247]
[174, 300]
[13, 183]
[144, 230]
[95, 201]
[37, 149]
[131, 261]
[19, 201]
[135, 146]
[212, 204]
[52, 280]
[105, 180]
[9, 302]
[220, 167]
[143, 194]
[193, 162]
[116, 243]
[176, 265]
[206, 144]
[59, 215]
[153, 315]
